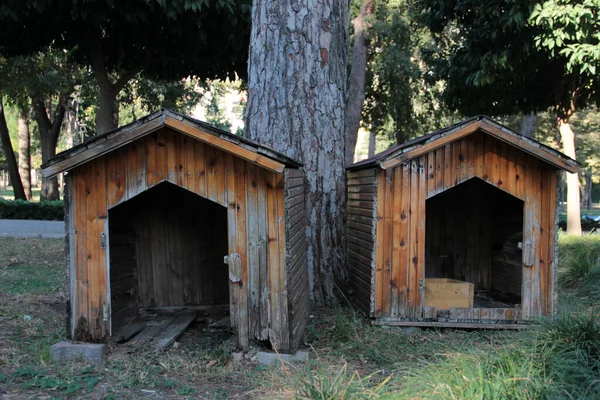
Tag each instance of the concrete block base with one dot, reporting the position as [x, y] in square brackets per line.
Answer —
[94, 353]
[267, 358]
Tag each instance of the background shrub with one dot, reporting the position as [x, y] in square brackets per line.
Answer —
[43, 210]
[579, 264]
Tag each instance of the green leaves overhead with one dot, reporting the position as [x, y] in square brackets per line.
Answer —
[170, 39]
[570, 29]
[500, 57]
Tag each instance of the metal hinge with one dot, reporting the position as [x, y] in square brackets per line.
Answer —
[105, 313]
[103, 240]
[421, 285]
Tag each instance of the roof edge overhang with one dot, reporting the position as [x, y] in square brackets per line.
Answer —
[225, 141]
[435, 140]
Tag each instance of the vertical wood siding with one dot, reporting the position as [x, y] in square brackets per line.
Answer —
[360, 250]
[398, 239]
[255, 202]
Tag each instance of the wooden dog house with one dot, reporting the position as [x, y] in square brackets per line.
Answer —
[472, 210]
[156, 208]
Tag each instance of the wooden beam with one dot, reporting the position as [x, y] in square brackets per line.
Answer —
[101, 147]
[434, 144]
[225, 145]
[455, 325]
[529, 148]
[492, 131]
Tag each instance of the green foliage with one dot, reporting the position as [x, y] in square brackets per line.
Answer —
[21, 209]
[570, 29]
[400, 103]
[486, 55]
[169, 39]
[558, 361]
[579, 264]
[322, 384]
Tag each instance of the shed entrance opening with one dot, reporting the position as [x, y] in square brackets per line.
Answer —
[166, 249]
[473, 233]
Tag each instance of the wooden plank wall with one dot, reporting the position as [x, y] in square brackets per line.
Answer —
[124, 286]
[360, 231]
[253, 196]
[180, 240]
[296, 261]
[472, 233]
[402, 192]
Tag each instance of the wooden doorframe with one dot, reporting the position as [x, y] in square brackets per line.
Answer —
[233, 309]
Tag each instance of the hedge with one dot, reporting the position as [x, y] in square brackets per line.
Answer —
[21, 209]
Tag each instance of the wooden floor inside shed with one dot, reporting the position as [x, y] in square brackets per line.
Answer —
[472, 235]
[166, 251]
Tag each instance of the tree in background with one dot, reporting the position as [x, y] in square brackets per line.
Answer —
[162, 41]
[297, 76]
[356, 81]
[570, 32]
[400, 101]
[496, 58]
[9, 154]
[24, 138]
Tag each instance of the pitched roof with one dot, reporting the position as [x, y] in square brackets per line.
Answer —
[424, 144]
[226, 141]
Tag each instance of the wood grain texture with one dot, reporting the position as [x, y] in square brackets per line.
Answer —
[177, 257]
[360, 251]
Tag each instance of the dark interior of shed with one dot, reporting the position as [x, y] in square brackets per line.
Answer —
[166, 259]
[472, 235]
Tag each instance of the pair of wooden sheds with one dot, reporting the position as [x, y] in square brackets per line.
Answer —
[152, 209]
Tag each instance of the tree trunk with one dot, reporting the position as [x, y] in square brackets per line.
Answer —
[49, 131]
[528, 122]
[573, 205]
[297, 74]
[587, 192]
[24, 151]
[11, 160]
[105, 116]
[372, 143]
[356, 84]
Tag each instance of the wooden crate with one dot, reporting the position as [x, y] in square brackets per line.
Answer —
[444, 294]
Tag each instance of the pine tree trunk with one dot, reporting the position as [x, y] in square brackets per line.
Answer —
[11, 160]
[24, 151]
[573, 205]
[356, 84]
[296, 104]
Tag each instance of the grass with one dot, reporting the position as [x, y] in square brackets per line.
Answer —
[349, 359]
[8, 194]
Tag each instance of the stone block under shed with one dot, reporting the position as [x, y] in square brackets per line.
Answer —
[94, 353]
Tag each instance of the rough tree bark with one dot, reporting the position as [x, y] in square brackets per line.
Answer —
[528, 122]
[24, 138]
[356, 83]
[296, 105]
[573, 204]
[11, 160]
[49, 131]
